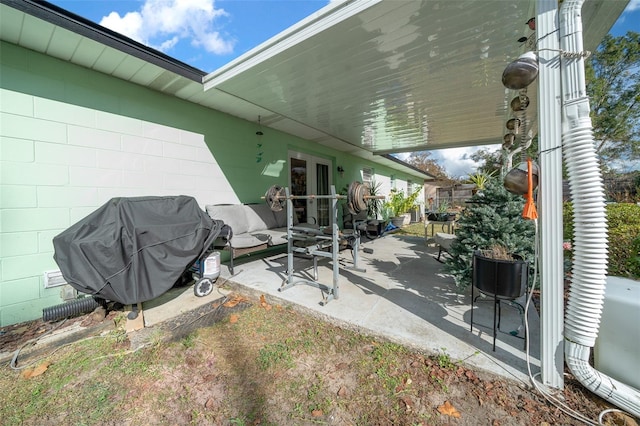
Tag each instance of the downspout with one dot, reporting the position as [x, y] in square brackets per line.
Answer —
[586, 297]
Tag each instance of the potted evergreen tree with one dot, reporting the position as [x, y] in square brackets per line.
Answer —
[493, 218]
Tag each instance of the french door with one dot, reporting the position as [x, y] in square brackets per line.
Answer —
[310, 175]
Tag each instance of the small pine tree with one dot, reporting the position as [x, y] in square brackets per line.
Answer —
[493, 217]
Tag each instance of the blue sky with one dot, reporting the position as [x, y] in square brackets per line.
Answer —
[205, 34]
[208, 34]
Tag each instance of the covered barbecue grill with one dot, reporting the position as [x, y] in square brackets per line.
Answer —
[132, 250]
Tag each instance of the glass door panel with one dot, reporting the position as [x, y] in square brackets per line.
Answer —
[299, 187]
[323, 205]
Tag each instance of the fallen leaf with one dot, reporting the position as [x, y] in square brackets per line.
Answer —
[449, 410]
[233, 302]
[342, 392]
[264, 304]
[34, 372]
[316, 413]
[529, 406]
[209, 404]
[233, 319]
[407, 404]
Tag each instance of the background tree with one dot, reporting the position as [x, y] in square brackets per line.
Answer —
[422, 160]
[613, 85]
[489, 161]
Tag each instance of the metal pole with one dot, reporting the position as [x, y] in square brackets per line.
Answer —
[335, 246]
[290, 213]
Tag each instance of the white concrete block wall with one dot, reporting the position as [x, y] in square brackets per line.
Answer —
[59, 162]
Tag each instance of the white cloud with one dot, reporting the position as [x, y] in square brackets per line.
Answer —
[162, 24]
[457, 162]
[633, 5]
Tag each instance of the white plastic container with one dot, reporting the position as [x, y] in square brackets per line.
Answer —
[212, 266]
[617, 348]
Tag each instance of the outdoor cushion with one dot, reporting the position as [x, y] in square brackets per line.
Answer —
[444, 240]
[247, 240]
[233, 215]
[260, 217]
[276, 236]
[281, 218]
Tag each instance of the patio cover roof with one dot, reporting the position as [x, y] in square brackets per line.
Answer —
[366, 77]
[392, 76]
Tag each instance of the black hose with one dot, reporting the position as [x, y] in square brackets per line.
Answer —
[70, 309]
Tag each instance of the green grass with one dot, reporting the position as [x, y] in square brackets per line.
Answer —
[268, 367]
[413, 229]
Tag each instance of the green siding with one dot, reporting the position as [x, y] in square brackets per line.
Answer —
[71, 138]
[18, 243]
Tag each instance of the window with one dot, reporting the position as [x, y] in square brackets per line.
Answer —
[367, 175]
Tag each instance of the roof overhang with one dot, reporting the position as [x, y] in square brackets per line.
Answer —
[389, 77]
[365, 77]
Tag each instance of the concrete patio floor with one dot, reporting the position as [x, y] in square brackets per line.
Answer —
[403, 296]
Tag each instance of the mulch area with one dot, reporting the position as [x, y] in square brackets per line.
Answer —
[12, 337]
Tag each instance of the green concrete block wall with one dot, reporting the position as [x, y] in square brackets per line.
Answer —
[71, 139]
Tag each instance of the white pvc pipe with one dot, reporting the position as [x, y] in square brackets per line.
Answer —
[586, 297]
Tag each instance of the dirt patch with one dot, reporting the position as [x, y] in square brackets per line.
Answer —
[252, 362]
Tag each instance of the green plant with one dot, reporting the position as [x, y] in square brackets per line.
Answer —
[623, 221]
[189, 340]
[275, 354]
[443, 206]
[480, 179]
[444, 360]
[374, 205]
[399, 204]
[495, 217]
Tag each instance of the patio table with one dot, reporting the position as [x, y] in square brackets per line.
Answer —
[446, 226]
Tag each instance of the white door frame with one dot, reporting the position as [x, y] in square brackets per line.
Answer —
[312, 162]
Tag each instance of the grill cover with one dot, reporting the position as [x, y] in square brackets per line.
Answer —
[132, 250]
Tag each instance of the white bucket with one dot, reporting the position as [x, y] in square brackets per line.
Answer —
[212, 266]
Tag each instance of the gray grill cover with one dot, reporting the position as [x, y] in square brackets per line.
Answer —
[132, 250]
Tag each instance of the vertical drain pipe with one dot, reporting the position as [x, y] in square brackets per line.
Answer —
[586, 297]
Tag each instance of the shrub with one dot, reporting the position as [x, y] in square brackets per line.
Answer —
[624, 237]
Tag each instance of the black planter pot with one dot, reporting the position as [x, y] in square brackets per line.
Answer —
[502, 280]
[505, 279]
